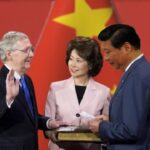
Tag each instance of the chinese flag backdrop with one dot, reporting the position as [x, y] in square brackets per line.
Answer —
[50, 24]
[65, 22]
[135, 13]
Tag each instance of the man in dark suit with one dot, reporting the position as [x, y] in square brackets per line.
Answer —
[128, 125]
[19, 118]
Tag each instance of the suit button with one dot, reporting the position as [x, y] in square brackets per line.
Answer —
[77, 115]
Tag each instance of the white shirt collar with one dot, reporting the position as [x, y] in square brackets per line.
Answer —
[16, 75]
[133, 61]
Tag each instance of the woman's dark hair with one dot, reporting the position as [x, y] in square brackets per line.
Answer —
[118, 34]
[88, 49]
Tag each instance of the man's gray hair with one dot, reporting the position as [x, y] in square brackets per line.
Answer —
[8, 42]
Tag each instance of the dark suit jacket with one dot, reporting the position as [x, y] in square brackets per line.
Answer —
[129, 126]
[18, 128]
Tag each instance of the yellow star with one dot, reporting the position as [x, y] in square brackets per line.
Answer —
[86, 21]
[113, 89]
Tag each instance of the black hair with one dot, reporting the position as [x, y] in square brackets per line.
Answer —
[88, 49]
[118, 34]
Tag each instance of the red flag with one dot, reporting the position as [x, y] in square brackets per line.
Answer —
[67, 19]
[76, 17]
[136, 13]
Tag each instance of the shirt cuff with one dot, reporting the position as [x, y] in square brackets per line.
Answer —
[47, 123]
[9, 103]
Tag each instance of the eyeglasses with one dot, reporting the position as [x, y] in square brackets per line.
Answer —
[26, 50]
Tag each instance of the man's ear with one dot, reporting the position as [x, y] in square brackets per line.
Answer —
[8, 54]
[127, 47]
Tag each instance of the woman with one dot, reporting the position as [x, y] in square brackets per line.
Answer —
[80, 93]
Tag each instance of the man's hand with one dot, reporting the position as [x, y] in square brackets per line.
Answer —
[52, 124]
[55, 124]
[94, 123]
[51, 134]
[12, 86]
[103, 117]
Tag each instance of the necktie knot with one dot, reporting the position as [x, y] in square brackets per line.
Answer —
[22, 82]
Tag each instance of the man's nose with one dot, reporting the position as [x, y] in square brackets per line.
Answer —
[31, 53]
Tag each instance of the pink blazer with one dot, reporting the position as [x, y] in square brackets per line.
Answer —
[62, 103]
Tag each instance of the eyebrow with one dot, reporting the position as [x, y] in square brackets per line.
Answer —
[77, 57]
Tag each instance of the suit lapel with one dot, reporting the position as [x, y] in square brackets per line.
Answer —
[89, 94]
[125, 77]
[32, 99]
[69, 93]
[4, 71]
[127, 73]
[20, 98]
